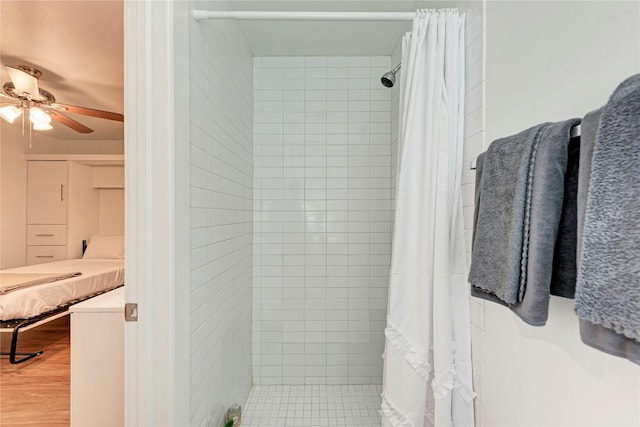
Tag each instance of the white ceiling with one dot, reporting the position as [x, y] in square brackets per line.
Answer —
[78, 45]
[289, 38]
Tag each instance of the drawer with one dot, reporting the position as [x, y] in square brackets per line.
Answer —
[47, 235]
[40, 254]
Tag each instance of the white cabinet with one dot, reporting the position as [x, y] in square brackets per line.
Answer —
[97, 361]
[46, 192]
[63, 208]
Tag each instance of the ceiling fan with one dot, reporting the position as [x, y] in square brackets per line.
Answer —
[22, 95]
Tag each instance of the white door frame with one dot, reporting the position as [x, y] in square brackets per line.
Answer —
[157, 212]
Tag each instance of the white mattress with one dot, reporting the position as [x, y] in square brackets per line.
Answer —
[97, 275]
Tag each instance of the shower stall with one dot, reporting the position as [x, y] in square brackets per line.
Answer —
[292, 181]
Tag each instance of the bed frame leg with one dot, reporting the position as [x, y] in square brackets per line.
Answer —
[14, 346]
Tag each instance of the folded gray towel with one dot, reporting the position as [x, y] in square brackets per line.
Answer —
[550, 263]
[592, 334]
[502, 228]
[608, 286]
[552, 248]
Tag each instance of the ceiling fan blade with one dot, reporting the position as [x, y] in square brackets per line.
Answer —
[93, 112]
[24, 82]
[68, 121]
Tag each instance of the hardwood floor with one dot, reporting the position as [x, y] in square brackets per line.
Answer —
[37, 392]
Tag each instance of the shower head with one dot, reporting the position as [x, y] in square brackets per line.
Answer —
[388, 79]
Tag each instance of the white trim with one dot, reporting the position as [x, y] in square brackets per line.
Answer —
[182, 223]
[153, 393]
[86, 159]
[200, 15]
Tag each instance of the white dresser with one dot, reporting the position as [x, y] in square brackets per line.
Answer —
[97, 361]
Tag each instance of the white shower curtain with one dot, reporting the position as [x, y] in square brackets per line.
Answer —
[427, 367]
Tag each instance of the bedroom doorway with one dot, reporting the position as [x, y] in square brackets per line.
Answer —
[156, 212]
[61, 134]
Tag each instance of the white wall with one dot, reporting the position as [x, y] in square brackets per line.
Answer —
[322, 219]
[13, 198]
[221, 176]
[546, 62]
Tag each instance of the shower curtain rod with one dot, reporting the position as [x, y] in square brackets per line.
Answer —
[201, 15]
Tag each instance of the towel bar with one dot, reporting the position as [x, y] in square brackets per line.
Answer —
[575, 131]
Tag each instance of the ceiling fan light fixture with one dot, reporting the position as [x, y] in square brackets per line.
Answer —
[39, 117]
[10, 112]
[24, 89]
[25, 80]
[42, 126]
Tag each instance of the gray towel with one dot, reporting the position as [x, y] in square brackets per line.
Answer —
[609, 341]
[501, 234]
[550, 255]
[479, 169]
[592, 334]
[608, 287]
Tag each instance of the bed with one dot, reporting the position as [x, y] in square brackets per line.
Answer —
[37, 294]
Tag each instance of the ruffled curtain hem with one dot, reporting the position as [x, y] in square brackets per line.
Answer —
[449, 380]
[402, 344]
[391, 415]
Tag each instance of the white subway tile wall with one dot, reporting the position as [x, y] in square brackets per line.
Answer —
[221, 169]
[396, 58]
[322, 219]
[474, 144]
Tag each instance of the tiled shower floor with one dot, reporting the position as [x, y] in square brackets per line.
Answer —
[312, 405]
